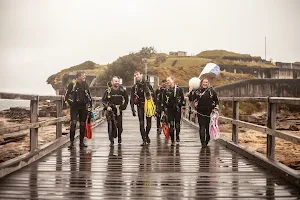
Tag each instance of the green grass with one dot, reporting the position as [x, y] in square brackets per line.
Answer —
[181, 68]
[188, 67]
[227, 78]
[219, 57]
[185, 62]
[213, 54]
[88, 67]
[242, 64]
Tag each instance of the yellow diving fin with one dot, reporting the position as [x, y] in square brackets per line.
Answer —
[149, 107]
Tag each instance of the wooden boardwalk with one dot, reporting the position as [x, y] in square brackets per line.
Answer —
[158, 171]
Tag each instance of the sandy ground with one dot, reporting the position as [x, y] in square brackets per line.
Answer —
[286, 152]
[14, 149]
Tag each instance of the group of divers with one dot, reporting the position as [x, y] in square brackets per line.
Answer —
[168, 100]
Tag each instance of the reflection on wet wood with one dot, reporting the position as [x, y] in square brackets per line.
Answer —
[157, 171]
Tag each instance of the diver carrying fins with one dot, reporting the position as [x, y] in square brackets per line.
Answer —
[142, 95]
[115, 100]
[79, 99]
[165, 126]
[173, 104]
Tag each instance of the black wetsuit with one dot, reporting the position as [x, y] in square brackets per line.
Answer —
[207, 100]
[159, 106]
[139, 91]
[79, 99]
[173, 101]
[117, 99]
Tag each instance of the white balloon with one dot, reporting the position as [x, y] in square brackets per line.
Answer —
[194, 83]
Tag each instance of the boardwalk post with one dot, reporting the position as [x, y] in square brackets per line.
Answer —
[101, 114]
[271, 123]
[101, 111]
[94, 103]
[34, 106]
[235, 116]
[59, 114]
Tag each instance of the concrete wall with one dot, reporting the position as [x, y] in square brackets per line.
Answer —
[288, 65]
[283, 73]
[252, 87]
[261, 88]
[178, 53]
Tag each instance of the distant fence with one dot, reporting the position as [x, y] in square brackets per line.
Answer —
[34, 125]
[261, 87]
[270, 130]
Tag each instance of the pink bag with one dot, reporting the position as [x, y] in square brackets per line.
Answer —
[214, 130]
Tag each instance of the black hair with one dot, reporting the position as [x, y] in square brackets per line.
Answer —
[137, 71]
[79, 73]
[203, 80]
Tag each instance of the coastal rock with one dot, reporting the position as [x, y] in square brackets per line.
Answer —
[293, 128]
[18, 113]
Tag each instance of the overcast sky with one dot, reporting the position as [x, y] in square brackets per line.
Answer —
[41, 37]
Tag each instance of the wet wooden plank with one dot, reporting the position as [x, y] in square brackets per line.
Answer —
[271, 124]
[33, 125]
[59, 109]
[235, 116]
[245, 99]
[5, 95]
[157, 171]
[263, 129]
[34, 109]
[284, 100]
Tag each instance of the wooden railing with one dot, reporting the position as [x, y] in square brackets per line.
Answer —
[34, 124]
[269, 130]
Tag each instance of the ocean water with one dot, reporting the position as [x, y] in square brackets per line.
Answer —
[7, 103]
